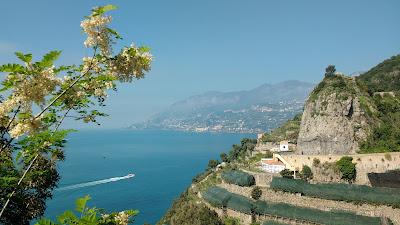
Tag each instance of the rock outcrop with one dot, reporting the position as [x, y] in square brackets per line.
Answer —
[333, 121]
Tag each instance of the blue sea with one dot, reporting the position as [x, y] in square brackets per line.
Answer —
[164, 163]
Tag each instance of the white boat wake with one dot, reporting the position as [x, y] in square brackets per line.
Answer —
[93, 183]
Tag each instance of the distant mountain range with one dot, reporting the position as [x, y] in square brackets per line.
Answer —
[256, 110]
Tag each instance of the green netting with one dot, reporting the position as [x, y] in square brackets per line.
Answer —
[342, 192]
[238, 177]
[314, 215]
[220, 197]
[240, 203]
[217, 196]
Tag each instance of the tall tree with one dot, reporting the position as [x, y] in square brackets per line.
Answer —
[330, 70]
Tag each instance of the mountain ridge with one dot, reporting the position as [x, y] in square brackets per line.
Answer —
[246, 111]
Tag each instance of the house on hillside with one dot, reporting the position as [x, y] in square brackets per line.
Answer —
[272, 165]
[282, 147]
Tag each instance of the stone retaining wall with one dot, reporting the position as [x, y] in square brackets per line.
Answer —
[365, 163]
[262, 179]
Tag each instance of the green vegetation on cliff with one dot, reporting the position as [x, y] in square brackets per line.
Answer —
[378, 94]
[186, 211]
[288, 131]
[342, 85]
[382, 78]
[382, 85]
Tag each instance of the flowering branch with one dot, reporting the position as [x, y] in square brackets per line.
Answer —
[36, 86]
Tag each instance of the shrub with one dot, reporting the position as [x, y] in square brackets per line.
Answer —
[306, 173]
[286, 173]
[238, 177]
[185, 211]
[388, 156]
[347, 168]
[316, 162]
[231, 221]
[224, 157]
[201, 176]
[256, 193]
[340, 192]
[212, 164]
[330, 70]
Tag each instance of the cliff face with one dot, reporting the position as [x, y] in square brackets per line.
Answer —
[333, 121]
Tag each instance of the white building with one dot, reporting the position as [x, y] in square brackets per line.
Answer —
[272, 165]
[284, 146]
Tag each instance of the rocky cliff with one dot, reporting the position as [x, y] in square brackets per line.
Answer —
[334, 121]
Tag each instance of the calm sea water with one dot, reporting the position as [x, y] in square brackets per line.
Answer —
[163, 162]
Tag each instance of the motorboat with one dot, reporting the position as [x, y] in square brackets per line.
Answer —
[130, 175]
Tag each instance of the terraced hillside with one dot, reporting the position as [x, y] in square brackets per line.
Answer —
[342, 115]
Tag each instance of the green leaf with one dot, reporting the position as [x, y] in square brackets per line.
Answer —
[103, 9]
[12, 68]
[115, 33]
[67, 217]
[48, 59]
[45, 222]
[81, 203]
[24, 57]
[144, 49]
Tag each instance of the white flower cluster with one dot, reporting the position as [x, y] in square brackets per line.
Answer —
[25, 127]
[91, 64]
[8, 105]
[98, 35]
[38, 86]
[29, 89]
[131, 63]
[122, 218]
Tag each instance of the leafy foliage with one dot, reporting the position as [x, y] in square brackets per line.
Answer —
[343, 86]
[243, 150]
[88, 216]
[212, 163]
[37, 97]
[384, 77]
[231, 221]
[186, 212]
[330, 71]
[288, 131]
[224, 157]
[385, 135]
[256, 193]
[306, 173]
[347, 168]
[286, 173]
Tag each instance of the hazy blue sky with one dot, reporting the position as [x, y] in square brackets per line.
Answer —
[207, 45]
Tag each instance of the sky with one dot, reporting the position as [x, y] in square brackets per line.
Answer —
[210, 45]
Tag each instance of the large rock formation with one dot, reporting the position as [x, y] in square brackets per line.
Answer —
[333, 120]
